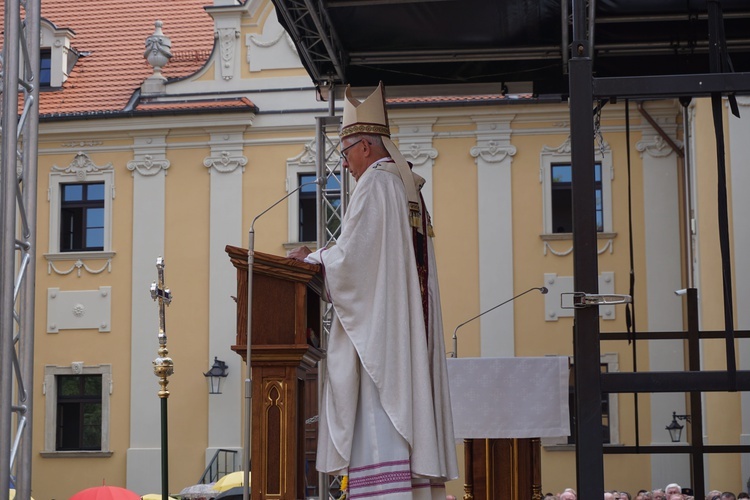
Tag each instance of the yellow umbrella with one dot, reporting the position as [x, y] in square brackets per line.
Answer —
[155, 496]
[229, 481]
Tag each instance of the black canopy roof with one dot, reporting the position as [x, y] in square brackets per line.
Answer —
[457, 43]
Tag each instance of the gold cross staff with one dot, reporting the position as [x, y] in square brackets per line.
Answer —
[163, 365]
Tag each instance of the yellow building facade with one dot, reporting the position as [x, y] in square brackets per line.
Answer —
[181, 179]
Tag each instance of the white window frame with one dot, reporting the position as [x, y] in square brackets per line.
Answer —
[51, 372]
[303, 164]
[81, 169]
[561, 154]
[561, 443]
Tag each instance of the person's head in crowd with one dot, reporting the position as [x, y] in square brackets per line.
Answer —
[728, 495]
[742, 495]
[673, 488]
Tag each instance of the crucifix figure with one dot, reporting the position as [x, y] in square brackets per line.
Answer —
[163, 365]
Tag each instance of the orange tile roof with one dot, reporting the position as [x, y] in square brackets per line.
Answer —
[110, 37]
[240, 103]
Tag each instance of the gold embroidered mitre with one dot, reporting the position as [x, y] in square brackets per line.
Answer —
[371, 117]
[366, 117]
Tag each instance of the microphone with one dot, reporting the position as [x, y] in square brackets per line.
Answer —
[542, 289]
[246, 450]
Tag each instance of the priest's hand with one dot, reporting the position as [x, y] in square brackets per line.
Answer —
[299, 253]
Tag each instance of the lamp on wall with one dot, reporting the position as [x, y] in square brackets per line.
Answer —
[215, 375]
[674, 427]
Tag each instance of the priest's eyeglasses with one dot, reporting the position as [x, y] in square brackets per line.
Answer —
[350, 146]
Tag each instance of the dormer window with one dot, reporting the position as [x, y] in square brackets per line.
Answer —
[57, 58]
[45, 66]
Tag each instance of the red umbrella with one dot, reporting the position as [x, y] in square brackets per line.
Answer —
[106, 493]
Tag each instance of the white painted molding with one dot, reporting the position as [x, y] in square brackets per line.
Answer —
[493, 151]
[608, 245]
[264, 50]
[225, 162]
[493, 154]
[78, 265]
[81, 166]
[227, 38]
[79, 309]
[655, 147]
[148, 166]
[416, 154]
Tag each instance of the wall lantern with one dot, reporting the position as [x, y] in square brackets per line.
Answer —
[674, 427]
[216, 375]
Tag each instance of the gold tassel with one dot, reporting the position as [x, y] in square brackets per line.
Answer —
[430, 231]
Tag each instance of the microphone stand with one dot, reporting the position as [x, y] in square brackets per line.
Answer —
[248, 369]
[454, 354]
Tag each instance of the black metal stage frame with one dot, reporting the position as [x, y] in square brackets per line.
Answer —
[332, 53]
[585, 89]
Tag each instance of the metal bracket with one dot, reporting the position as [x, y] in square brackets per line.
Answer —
[581, 300]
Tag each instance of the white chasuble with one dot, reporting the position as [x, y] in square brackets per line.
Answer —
[379, 350]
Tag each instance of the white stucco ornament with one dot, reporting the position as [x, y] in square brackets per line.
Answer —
[158, 49]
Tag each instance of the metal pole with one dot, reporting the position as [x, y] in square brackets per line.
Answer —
[696, 406]
[7, 224]
[164, 449]
[248, 367]
[29, 201]
[589, 439]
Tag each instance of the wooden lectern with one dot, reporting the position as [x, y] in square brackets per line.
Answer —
[285, 316]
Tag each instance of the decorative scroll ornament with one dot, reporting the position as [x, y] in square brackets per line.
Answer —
[227, 37]
[609, 245]
[657, 147]
[493, 152]
[79, 264]
[148, 166]
[224, 163]
[308, 156]
[565, 148]
[418, 155]
[81, 166]
[268, 43]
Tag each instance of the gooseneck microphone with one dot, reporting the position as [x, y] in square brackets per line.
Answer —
[542, 289]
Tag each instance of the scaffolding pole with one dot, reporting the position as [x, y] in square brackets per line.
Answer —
[18, 200]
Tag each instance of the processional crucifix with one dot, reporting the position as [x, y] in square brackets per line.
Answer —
[163, 368]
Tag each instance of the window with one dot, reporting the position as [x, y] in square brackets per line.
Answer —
[80, 197]
[562, 198]
[45, 68]
[610, 419]
[82, 217]
[555, 176]
[77, 408]
[572, 406]
[302, 221]
[308, 222]
[79, 412]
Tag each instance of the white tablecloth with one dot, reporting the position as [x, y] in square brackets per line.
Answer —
[509, 397]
